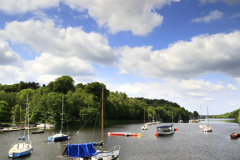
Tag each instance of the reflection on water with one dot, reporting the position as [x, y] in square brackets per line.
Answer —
[220, 120]
[189, 142]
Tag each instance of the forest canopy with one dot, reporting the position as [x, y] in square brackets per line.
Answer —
[80, 102]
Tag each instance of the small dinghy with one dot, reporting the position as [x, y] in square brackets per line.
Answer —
[37, 132]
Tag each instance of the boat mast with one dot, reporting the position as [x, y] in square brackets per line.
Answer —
[62, 112]
[28, 117]
[208, 117]
[102, 118]
[144, 115]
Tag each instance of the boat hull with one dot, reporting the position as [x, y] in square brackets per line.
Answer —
[164, 133]
[58, 138]
[37, 132]
[19, 154]
[123, 134]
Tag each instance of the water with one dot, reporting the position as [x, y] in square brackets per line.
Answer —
[189, 142]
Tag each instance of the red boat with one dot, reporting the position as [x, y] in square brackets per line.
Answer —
[233, 136]
[124, 134]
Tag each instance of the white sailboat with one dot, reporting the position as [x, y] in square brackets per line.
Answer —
[201, 126]
[144, 127]
[207, 129]
[60, 136]
[22, 148]
[86, 151]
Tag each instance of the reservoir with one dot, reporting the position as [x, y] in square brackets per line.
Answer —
[189, 142]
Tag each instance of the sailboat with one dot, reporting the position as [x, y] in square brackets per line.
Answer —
[207, 129]
[86, 151]
[201, 126]
[22, 148]
[144, 127]
[60, 136]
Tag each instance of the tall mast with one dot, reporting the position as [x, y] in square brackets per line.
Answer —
[144, 115]
[28, 117]
[208, 117]
[102, 117]
[62, 112]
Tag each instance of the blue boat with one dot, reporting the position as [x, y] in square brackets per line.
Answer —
[165, 130]
[60, 136]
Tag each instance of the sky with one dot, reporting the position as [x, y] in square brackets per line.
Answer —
[183, 51]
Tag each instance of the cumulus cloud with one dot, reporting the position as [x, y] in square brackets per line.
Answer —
[214, 15]
[23, 6]
[137, 16]
[70, 42]
[231, 87]
[8, 56]
[185, 59]
[197, 91]
[230, 2]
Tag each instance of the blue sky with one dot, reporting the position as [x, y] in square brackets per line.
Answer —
[184, 51]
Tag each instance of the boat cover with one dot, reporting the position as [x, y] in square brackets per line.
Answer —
[165, 126]
[81, 150]
[22, 138]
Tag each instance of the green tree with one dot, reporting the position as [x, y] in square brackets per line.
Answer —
[4, 112]
[64, 84]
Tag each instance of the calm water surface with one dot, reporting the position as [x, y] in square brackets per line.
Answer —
[189, 142]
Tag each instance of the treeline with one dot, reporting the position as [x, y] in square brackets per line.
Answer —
[234, 114]
[80, 103]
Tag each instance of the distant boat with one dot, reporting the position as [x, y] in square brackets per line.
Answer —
[49, 126]
[60, 136]
[42, 125]
[22, 148]
[124, 134]
[201, 126]
[207, 129]
[37, 132]
[144, 127]
[165, 130]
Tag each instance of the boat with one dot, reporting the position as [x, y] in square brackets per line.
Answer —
[37, 132]
[124, 134]
[165, 130]
[201, 126]
[144, 127]
[49, 126]
[86, 151]
[233, 136]
[60, 136]
[42, 125]
[207, 129]
[21, 148]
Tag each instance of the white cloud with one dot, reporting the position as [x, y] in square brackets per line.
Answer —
[23, 6]
[137, 16]
[234, 16]
[230, 2]
[8, 56]
[203, 54]
[70, 42]
[214, 15]
[231, 87]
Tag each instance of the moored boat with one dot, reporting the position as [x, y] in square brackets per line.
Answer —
[165, 130]
[37, 132]
[124, 134]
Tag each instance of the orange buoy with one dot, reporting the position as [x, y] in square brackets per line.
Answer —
[69, 137]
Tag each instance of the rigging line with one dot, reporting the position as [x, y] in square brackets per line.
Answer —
[94, 126]
[82, 126]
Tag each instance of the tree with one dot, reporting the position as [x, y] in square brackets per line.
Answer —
[64, 84]
[4, 113]
[95, 88]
